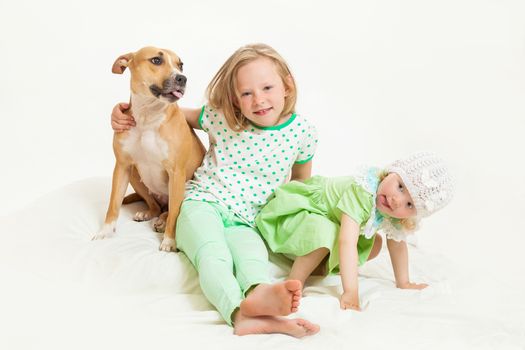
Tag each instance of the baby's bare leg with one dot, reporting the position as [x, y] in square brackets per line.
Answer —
[303, 266]
[378, 243]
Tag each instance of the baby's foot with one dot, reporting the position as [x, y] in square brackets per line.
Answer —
[278, 299]
[268, 324]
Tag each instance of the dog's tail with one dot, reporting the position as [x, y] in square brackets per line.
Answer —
[132, 198]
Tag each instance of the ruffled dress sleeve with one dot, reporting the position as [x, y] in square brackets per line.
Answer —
[394, 231]
[357, 203]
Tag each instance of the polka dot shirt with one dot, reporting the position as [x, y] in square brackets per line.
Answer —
[242, 168]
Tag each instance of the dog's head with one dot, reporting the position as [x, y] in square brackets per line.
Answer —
[154, 72]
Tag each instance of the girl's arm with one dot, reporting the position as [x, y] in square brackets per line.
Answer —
[121, 122]
[192, 116]
[399, 257]
[301, 172]
[348, 236]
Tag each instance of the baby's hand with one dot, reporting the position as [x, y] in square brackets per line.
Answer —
[119, 121]
[410, 285]
[350, 300]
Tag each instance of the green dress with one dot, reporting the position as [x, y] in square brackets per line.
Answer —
[303, 217]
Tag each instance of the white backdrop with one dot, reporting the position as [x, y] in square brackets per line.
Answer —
[380, 79]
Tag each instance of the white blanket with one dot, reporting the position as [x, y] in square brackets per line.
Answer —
[62, 290]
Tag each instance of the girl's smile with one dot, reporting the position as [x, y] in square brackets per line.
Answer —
[263, 112]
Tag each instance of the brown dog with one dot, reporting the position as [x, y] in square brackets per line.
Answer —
[162, 151]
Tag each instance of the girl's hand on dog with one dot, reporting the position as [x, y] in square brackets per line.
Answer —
[119, 121]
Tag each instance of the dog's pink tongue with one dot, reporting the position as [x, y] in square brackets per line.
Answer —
[178, 94]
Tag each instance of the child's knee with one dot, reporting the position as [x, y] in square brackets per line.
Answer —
[212, 254]
[378, 243]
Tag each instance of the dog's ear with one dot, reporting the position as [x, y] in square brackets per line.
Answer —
[121, 63]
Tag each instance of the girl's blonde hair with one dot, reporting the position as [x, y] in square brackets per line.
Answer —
[408, 224]
[222, 91]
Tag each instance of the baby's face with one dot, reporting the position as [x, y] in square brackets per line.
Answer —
[393, 198]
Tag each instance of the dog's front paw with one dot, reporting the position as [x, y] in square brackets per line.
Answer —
[168, 245]
[160, 224]
[145, 215]
[107, 231]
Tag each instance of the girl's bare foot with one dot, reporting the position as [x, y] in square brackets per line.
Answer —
[298, 328]
[278, 299]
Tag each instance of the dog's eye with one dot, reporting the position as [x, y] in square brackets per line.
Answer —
[156, 61]
[180, 65]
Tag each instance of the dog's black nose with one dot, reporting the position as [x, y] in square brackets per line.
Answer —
[180, 79]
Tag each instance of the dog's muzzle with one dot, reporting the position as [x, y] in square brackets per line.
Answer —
[172, 89]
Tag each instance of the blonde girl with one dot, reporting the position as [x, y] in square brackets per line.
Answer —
[256, 141]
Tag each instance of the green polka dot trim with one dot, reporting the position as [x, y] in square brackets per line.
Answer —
[276, 127]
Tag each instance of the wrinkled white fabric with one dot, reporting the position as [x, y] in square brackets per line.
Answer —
[60, 290]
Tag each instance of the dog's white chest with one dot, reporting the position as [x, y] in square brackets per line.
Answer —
[148, 150]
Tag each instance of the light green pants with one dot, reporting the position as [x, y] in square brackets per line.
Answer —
[229, 255]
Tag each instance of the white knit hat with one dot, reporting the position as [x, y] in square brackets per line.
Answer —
[427, 180]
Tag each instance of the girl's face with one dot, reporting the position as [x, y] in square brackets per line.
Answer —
[261, 92]
[393, 198]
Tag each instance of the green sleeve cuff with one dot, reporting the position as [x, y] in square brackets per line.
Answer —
[305, 160]
[200, 117]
